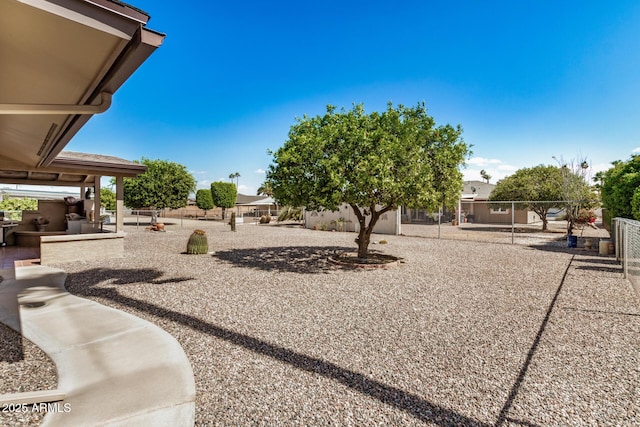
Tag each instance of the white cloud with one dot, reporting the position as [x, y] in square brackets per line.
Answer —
[481, 161]
[636, 150]
[205, 183]
[496, 169]
[260, 171]
[198, 172]
[246, 189]
[601, 167]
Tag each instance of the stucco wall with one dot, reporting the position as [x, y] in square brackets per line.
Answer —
[81, 247]
[389, 222]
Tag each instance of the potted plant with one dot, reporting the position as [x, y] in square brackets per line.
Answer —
[41, 223]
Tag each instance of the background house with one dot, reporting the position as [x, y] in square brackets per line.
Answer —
[475, 207]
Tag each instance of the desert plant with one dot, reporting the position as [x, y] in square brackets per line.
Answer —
[232, 221]
[321, 226]
[197, 244]
[290, 213]
[338, 224]
[41, 220]
[265, 219]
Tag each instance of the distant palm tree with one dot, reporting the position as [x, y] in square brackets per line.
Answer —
[235, 175]
[265, 190]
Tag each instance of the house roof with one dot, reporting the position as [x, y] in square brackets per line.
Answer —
[262, 201]
[62, 61]
[477, 190]
[243, 199]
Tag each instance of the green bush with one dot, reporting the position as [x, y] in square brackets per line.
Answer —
[197, 244]
[17, 205]
[265, 219]
[290, 213]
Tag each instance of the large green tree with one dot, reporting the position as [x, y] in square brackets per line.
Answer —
[542, 188]
[373, 162]
[537, 186]
[107, 199]
[13, 207]
[621, 188]
[204, 200]
[224, 195]
[165, 184]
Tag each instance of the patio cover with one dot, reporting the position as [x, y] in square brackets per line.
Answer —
[61, 62]
[72, 169]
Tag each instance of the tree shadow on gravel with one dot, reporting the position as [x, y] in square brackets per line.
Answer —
[606, 259]
[84, 284]
[507, 230]
[292, 259]
[601, 269]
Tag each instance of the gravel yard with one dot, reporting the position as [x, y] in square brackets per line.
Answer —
[461, 333]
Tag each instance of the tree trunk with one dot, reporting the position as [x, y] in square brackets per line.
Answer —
[364, 237]
[545, 222]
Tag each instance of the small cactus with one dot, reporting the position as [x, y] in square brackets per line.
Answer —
[232, 221]
[198, 244]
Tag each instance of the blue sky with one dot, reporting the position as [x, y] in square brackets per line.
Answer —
[527, 80]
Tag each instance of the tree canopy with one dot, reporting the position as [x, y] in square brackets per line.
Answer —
[204, 200]
[165, 184]
[13, 207]
[107, 199]
[373, 162]
[224, 195]
[621, 188]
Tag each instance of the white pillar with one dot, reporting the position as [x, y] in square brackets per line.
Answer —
[96, 198]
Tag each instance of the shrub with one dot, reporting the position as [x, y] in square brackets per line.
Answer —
[290, 213]
[321, 226]
[198, 244]
[265, 219]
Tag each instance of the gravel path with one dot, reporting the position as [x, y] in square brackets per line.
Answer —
[462, 333]
[23, 367]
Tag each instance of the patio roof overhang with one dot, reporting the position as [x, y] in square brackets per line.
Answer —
[61, 62]
[70, 169]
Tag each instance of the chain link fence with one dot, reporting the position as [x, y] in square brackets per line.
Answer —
[626, 238]
[514, 222]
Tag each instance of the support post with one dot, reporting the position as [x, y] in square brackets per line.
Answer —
[96, 198]
[625, 250]
[513, 222]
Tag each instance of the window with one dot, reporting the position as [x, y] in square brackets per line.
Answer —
[499, 211]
